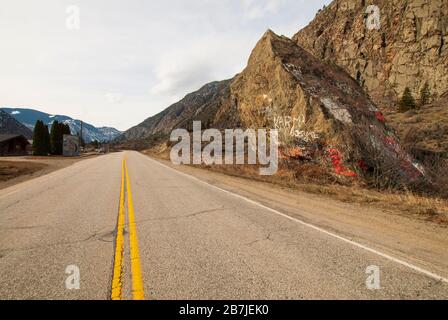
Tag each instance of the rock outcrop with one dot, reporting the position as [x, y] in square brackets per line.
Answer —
[408, 49]
[322, 114]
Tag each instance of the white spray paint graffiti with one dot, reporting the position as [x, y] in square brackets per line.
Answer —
[294, 127]
[339, 113]
[294, 70]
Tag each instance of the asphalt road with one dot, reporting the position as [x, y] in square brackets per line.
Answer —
[190, 240]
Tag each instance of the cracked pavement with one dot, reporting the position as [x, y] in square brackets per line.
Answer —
[195, 241]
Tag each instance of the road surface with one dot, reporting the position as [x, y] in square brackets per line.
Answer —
[189, 239]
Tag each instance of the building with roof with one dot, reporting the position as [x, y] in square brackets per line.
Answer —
[14, 145]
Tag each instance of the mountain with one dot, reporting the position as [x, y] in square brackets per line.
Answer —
[28, 117]
[322, 114]
[200, 105]
[9, 125]
[409, 49]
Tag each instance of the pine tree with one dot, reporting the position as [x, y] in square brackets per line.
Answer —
[41, 139]
[425, 94]
[58, 130]
[38, 148]
[66, 129]
[46, 140]
[54, 138]
[407, 101]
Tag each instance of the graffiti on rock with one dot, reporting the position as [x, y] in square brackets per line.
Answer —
[336, 158]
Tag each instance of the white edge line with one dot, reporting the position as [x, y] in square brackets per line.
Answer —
[356, 244]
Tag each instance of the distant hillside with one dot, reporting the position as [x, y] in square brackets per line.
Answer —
[200, 105]
[28, 117]
[9, 125]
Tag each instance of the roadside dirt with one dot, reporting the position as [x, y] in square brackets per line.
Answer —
[14, 170]
[401, 235]
[309, 180]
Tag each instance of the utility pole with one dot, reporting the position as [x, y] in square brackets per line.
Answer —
[80, 139]
[110, 141]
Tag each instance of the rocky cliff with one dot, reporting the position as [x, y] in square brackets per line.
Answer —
[322, 114]
[408, 48]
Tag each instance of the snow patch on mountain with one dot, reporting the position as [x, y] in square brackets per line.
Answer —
[28, 117]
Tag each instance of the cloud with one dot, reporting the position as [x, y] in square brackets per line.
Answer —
[130, 60]
[180, 74]
[186, 69]
[113, 97]
[256, 9]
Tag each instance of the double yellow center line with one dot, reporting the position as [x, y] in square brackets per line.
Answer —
[138, 292]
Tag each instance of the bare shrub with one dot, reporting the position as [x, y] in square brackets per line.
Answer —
[436, 169]
[382, 166]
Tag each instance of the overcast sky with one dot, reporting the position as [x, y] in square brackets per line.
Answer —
[129, 59]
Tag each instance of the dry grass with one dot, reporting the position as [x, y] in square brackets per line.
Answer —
[11, 169]
[14, 170]
[425, 127]
[423, 207]
[428, 208]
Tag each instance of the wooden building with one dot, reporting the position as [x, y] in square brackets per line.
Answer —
[13, 145]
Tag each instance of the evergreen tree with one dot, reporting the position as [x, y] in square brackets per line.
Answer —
[46, 140]
[41, 139]
[38, 142]
[58, 130]
[407, 101]
[54, 138]
[66, 129]
[425, 94]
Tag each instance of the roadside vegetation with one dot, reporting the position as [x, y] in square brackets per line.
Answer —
[12, 169]
[47, 142]
[424, 204]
